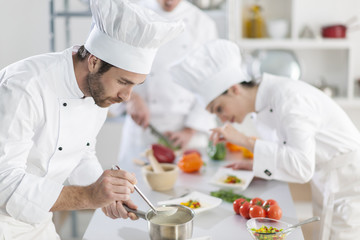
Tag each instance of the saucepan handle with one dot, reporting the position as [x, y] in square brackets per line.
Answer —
[138, 213]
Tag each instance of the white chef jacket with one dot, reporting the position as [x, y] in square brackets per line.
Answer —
[171, 106]
[47, 135]
[305, 136]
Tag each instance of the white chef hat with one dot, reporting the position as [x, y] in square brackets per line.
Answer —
[127, 35]
[210, 69]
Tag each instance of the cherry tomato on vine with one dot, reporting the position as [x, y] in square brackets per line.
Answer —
[244, 210]
[256, 211]
[269, 203]
[237, 203]
[274, 212]
[257, 201]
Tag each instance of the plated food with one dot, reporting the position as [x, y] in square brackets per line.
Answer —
[201, 202]
[232, 179]
[191, 204]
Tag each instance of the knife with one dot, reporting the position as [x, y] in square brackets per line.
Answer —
[161, 136]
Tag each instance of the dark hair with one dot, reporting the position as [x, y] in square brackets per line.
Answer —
[82, 54]
[249, 84]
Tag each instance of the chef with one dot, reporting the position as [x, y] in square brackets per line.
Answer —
[304, 135]
[170, 108]
[51, 108]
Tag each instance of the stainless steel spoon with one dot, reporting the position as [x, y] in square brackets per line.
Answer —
[313, 219]
[158, 211]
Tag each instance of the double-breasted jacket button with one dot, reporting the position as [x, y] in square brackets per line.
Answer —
[60, 148]
[87, 144]
[271, 110]
[64, 104]
[284, 142]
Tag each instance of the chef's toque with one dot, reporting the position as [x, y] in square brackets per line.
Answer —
[127, 35]
[210, 69]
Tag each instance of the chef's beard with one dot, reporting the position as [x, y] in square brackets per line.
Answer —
[97, 90]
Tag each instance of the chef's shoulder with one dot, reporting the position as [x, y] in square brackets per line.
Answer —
[32, 67]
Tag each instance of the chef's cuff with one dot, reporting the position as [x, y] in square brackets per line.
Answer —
[33, 199]
[264, 159]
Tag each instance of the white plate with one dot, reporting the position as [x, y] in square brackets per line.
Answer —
[207, 202]
[220, 176]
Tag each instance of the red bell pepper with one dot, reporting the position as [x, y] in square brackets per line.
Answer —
[163, 154]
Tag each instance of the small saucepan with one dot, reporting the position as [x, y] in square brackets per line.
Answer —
[334, 31]
[177, 226]
[340, 30]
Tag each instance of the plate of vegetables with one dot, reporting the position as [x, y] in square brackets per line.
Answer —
[232, 179]
[197, 201]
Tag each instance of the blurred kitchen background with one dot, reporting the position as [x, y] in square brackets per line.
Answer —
[315, 41]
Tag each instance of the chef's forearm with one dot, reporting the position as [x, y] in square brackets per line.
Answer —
[73, 198]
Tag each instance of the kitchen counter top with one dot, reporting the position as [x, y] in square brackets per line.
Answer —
[218, 223]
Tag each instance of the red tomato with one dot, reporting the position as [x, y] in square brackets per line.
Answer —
[237, 203]
[192, 151]
[244, 210]
[257, 201]
[256, 211]
[269, 203]
[274, 212]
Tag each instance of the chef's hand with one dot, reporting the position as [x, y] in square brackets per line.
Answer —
[241, 164]
[180, 138]
[111, 186]
[117, 210]
[230, 134]
[136, 107]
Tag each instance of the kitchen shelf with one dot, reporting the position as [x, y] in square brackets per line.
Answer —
[329, 59]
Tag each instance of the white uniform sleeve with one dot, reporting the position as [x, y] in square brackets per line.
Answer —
[25, 197]
[292, 158]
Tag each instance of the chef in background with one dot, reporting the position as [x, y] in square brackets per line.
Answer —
[304, 135]
[52, 106]
[170, 108]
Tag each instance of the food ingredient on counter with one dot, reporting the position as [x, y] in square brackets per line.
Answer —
[190, 163]
[269, 203]
[228, 195]
[217, 152]
[274, 212]
[257, 207]
[163, 154]
[237, 203]
[244, 210]
[256, 211]
[191, 204]
[192, 151]
[257, 201]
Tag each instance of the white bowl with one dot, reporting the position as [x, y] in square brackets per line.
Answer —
[278, 28]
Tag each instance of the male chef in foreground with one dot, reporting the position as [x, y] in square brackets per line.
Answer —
[52, 107]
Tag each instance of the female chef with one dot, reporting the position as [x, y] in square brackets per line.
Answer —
[52, 107]
[167, 106]
[304, 135]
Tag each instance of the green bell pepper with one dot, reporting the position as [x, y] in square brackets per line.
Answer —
[217, 152]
